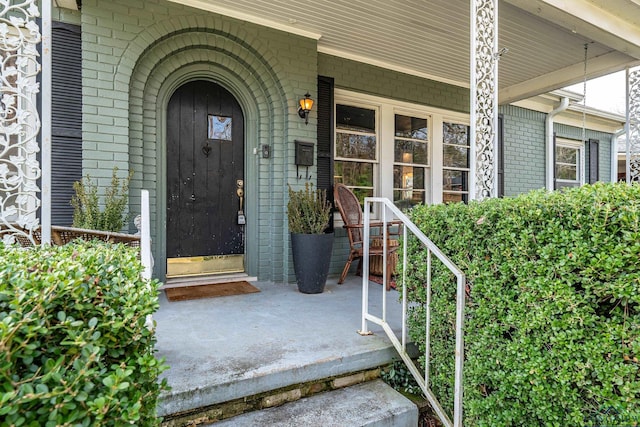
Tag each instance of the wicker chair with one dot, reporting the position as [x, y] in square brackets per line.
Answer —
[351, 212]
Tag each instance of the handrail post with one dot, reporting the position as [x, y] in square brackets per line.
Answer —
[458, 386]
[365, 267]
[145, 236]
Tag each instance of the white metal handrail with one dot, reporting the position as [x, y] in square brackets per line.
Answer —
[391, 212]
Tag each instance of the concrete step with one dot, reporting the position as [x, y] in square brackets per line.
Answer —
[244, 353]
[371, 404]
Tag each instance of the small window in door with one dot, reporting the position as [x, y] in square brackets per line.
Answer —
[219, 127]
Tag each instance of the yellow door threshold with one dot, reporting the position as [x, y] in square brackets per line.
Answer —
[204, 265]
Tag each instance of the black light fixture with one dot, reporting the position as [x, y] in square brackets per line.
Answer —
[305, 106]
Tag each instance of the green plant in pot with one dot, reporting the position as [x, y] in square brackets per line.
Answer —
[86, 207]
[308, 212]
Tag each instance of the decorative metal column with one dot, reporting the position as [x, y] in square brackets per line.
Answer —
[633, 125]
[19, 120]
[484, 99]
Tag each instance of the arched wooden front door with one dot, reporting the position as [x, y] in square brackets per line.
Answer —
[205, 181]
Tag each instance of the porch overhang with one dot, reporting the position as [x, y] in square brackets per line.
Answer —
[545, 38]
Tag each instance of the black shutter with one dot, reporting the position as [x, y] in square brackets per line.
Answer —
[500, 155]
[325, 138]
[594, 161]
[66, 115]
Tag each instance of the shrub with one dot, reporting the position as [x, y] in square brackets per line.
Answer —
[75, 349]
[552, 317]
[86, 205]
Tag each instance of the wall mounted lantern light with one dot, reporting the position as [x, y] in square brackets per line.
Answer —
[305, 106]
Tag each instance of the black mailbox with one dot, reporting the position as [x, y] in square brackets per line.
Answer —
[304, 153]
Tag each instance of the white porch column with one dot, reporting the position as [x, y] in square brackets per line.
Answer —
[19, 119]
[633, 125]
[484, 99]
[45, 210]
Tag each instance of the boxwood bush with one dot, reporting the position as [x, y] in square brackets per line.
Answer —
[74, 349]
[552, 316]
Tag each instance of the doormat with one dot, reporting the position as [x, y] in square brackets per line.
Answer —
[209, 291]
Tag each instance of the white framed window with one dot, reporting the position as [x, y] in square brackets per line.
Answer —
[569, 163]
[393, 149]
[456, 150]
[410, 161]
[356, 148]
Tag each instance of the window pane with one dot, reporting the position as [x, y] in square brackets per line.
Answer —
[567, 155]
[568, 172]
[353, 174]
[456, 156]
[560, 185]
[356, 146]
[408, 198]
[361, 193]
[411, 127]
[219, 127]
[411, 152]
[408, 177]
[455, 134]
[355, 118]
[455, 180]
[454, 197]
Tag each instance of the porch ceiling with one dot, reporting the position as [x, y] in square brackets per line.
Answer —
[545, 38]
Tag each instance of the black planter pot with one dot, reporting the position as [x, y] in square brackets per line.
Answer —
[311, 258]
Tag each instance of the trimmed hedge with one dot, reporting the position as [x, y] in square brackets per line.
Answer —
[552, 318]
[74, 349]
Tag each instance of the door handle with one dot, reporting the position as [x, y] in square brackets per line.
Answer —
[240, 192]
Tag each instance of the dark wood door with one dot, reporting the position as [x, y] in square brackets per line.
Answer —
[205, 169]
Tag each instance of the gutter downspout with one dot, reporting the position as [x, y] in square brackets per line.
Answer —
[614, 153]
[564, 104]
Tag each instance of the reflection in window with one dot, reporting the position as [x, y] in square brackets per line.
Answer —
[455, 162]
[219, 127]
[356, 150]
[355, 146]
[411, 160]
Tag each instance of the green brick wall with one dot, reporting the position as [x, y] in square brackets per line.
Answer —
[524, 149]
[378, 81]
[136, 53]
[66, 15]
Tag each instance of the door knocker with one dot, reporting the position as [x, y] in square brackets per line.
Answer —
[206, 149]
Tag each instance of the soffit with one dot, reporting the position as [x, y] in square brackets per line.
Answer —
[431, 38]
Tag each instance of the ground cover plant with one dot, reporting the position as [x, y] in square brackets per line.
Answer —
[74, 348]
[552, 319]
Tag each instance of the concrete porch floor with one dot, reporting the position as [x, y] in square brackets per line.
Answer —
[224, 348]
